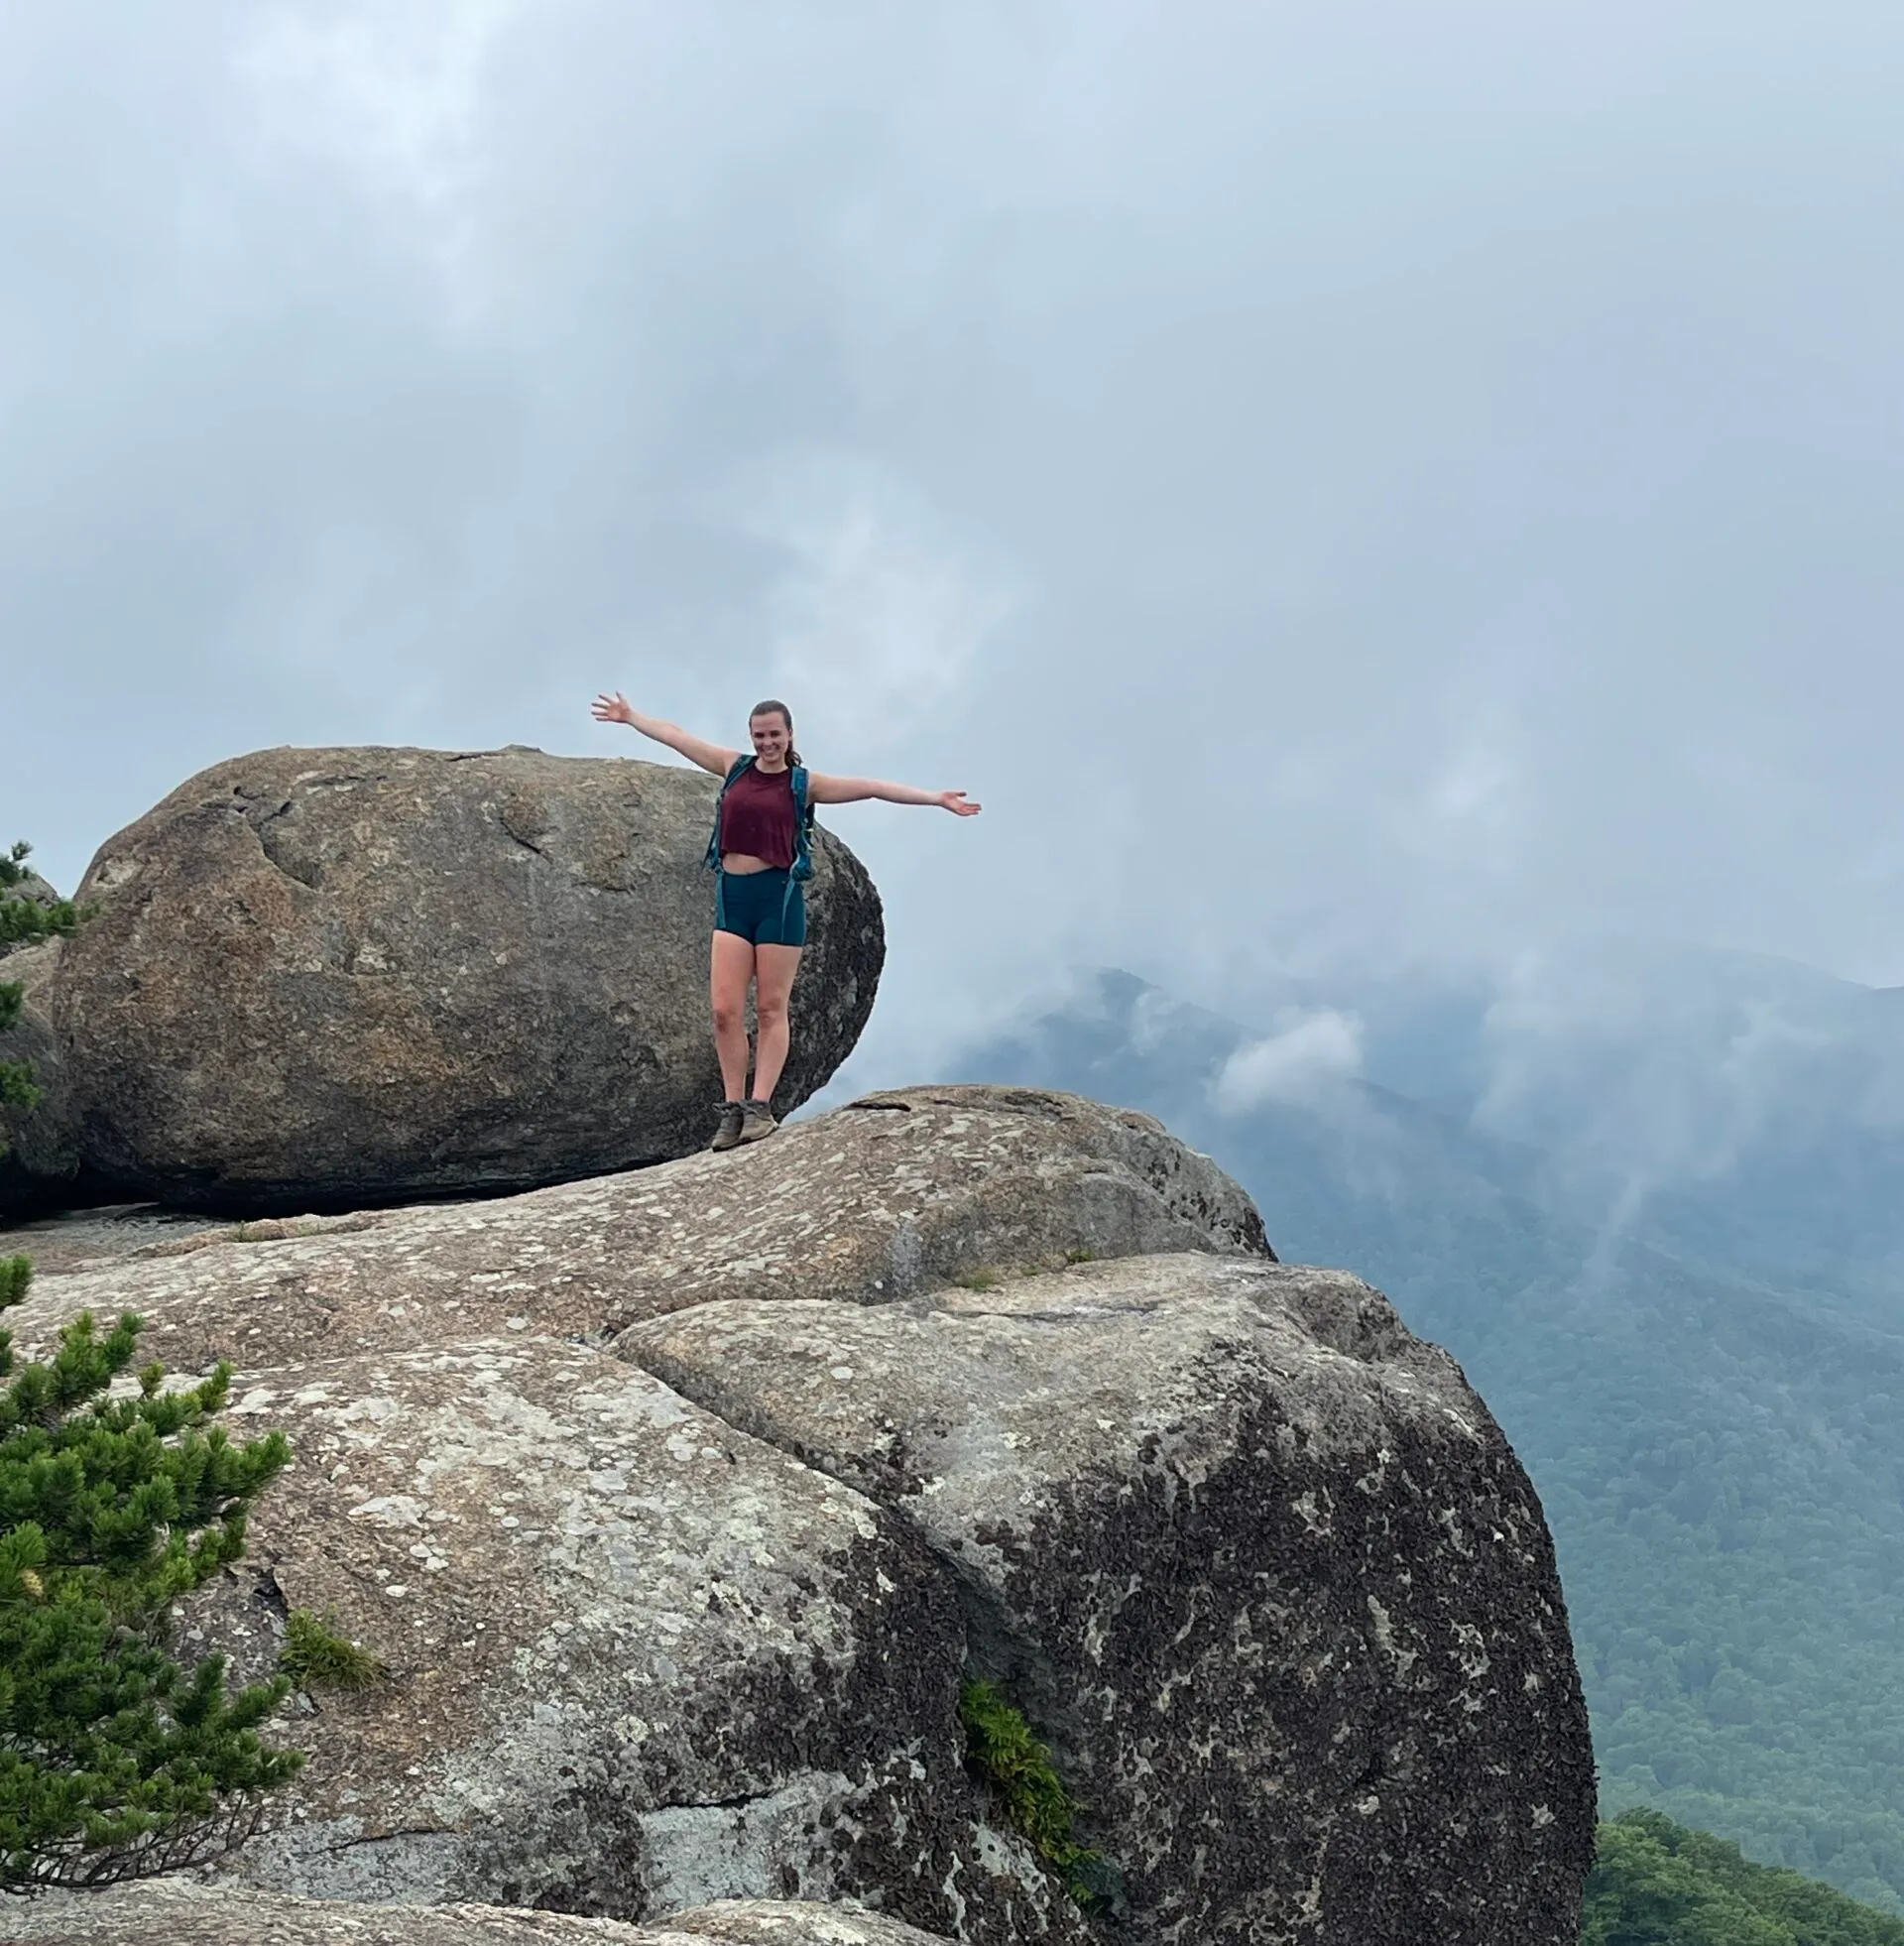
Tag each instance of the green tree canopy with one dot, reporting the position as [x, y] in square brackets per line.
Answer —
[1656, 1884]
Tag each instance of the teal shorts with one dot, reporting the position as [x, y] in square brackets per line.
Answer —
[767, 908]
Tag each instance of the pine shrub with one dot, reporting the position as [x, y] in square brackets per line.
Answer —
[115, 1502]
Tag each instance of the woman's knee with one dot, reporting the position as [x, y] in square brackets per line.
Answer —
[770, 1009]
[729, 1015]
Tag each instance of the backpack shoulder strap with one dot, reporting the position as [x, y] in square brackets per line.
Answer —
[802, 824]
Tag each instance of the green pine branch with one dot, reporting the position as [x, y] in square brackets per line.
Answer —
[116, 1759]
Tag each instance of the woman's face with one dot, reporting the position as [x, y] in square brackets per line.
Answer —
[771, 739]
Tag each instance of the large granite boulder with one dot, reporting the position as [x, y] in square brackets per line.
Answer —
[177, 1913]
[349, 976]
[1255, 1559]
[681, 1504]
[638, 1661]
[40, 1165]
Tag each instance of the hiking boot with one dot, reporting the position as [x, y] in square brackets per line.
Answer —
[728, 1134]
[757, 1121]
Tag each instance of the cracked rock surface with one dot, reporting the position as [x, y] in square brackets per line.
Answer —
[637, 1659]
[362, 975]
[180, 1914]
[681, 1504]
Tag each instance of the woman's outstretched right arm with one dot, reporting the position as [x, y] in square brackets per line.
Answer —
[617, 708]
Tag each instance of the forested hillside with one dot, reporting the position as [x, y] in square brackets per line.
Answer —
[1722, 1458]
[1656, 1884]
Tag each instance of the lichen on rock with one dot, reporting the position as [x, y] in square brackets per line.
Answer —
[679, 1504]
[180, 1914]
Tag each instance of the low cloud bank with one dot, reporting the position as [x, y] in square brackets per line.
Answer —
[1306, 1056]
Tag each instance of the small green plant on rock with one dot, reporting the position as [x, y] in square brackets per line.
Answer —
[115, 1760]
[983, 1279]
[1000, 1747]
[316, 1655]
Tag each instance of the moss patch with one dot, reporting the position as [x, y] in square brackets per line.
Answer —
[315, 1656]
[1002, 1749]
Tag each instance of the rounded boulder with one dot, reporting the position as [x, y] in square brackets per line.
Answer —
[360, 975]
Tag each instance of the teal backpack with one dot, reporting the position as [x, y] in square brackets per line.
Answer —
[803, 821]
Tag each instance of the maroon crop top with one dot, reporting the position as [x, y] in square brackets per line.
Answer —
[757, 816]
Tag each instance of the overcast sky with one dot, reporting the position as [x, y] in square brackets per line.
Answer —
[1339, 481]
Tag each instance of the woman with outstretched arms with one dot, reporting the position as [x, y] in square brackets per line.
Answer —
[759, 848]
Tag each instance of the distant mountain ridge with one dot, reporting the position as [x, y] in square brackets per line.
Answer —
[1707, 1392]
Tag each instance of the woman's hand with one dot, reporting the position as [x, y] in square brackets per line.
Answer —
[612, 709]
[957, 802]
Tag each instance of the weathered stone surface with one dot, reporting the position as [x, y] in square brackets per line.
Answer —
[77, 1238]
[41, 1159]
[703, 1487]
[1257, 1560]
[762, 1922]
[177, 1913]
[638, 1660]
[870, 1202]
[365, 975]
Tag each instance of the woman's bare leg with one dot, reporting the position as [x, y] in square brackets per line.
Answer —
[774, 968]
[731, 969]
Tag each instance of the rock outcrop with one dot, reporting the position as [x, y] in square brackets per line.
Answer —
[41, 1163]
[172, 1912]
[1255, 1559]
[35, 891]
[642, 1660]
[681, 1503]
[356, 976]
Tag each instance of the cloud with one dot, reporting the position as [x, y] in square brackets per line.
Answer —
[878, 617]
[1348, 487]
[1306, 1058]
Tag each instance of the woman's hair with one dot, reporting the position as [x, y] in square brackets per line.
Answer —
[773, 707]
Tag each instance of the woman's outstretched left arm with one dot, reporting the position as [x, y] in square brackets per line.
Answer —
[852, 790]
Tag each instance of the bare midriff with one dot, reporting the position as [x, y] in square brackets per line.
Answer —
[740, 864]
